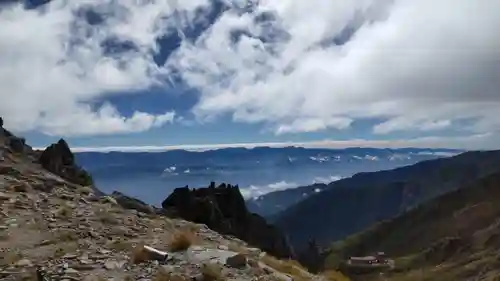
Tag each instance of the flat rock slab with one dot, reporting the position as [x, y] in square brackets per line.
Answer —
[209, 255]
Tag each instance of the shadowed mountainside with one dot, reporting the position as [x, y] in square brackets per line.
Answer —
[352, 204]
[453, 237]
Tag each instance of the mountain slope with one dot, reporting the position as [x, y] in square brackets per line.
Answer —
[459, 231]
[54, 228]
[350, 205]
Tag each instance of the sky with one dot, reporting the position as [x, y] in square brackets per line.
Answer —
[134, 74]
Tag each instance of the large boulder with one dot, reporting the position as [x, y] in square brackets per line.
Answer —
[223, 209]
[58, 159]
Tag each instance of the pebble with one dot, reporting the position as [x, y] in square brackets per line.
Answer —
[24, 262]
[223, 247]
[110, 265]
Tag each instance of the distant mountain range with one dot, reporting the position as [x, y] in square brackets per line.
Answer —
[151, 176]
[353, 204]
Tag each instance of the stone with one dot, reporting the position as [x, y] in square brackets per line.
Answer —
[21, 187]
[167, 269]
[108, 199]
[223, 247]
[237, 261]
[24, 263]
[112, 265]
[4, 196]
[46, 242]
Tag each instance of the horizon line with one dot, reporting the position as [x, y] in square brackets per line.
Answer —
[325, 144]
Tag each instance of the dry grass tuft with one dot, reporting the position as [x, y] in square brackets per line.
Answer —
[85, 190]
[108, 218]
[212, 272]
[181, 241]
[289, 267]
[333, 275]
[64, 212]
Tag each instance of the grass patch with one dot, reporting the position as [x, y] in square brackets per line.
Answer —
[334, 275]
[107, 218]
[212, 272]
[181, 241]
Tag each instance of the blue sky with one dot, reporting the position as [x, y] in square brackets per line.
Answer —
[365, 72]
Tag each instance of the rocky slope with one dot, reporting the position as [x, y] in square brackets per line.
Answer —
[454, 237]
[350, 205]
[54, 228]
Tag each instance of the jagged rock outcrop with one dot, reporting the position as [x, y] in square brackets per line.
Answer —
[58, 159]
[223, 209]
[18, 145]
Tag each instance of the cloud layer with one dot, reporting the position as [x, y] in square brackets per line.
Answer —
[417, 65]
[292, 66]
[55, 64]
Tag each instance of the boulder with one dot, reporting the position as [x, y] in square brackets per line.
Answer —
[223, 209]
[58, 159]
[237, 261]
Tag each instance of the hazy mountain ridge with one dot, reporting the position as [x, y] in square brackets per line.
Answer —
[257, 171]
[352, 204]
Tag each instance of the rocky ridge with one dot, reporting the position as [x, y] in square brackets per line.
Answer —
[223, 209]
[54, 227]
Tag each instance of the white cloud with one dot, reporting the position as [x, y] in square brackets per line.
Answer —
[418, 64]
[54, 66]
[256, 191]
